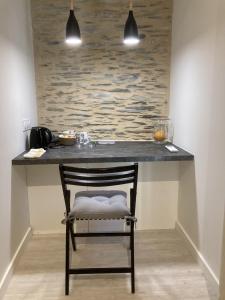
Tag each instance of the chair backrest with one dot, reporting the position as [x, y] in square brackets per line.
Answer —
[99, 177]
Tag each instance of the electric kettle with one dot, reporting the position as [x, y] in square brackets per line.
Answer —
[40, 137]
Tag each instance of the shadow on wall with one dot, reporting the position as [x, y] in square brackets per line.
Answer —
[188, 215]
[156, 200]
[187, 202]
[42, 175]
[20, 220]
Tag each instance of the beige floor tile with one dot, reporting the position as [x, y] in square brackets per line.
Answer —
[165, 270]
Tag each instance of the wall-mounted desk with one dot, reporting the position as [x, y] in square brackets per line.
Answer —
[157, 187]
[96, 153]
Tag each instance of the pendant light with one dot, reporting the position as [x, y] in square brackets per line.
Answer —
[131, 36]
[72, 28]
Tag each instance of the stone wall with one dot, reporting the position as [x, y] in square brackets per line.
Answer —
[103, 87]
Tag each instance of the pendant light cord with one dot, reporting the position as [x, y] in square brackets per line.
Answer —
[71, 5]
[131, 5]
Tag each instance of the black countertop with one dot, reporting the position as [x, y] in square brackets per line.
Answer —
[96, 153]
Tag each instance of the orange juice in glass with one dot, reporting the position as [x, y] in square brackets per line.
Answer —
[160, 131]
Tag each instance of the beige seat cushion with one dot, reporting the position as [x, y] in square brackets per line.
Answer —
[100, 205]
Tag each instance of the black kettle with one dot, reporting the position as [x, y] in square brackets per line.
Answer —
[40, 137]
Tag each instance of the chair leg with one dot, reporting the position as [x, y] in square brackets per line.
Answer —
[67, 260]
[129, 224]
[130, 239]
[132, 258]
[73, 237]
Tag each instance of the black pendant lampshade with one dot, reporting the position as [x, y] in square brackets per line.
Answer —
[131, 36]
[72, 29]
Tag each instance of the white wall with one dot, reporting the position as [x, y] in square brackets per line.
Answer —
[17, 101]
[198, 112]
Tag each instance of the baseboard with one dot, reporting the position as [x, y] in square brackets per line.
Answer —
[212, 280]
[9, 271]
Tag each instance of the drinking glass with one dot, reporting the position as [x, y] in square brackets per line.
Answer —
[160, 131]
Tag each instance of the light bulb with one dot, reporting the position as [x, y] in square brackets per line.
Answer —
[73, 41]
[131, 41]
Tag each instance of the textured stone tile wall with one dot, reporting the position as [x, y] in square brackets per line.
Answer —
[103, 87]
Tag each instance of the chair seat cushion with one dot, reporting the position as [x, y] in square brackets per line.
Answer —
[100, 205]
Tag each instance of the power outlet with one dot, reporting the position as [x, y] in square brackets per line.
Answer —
[26, 124]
